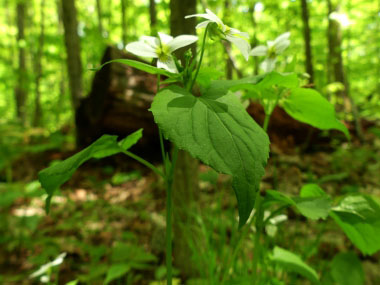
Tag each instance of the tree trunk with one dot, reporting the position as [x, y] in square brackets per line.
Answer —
[153, 17]
[72, 42]
[227, 45]
[99, 14]
[21, 87]
[307, 40]
[38, 68]
[254, 41]
[124, 22]
[336, 67]
[185, 186]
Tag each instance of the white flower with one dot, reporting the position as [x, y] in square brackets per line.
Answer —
[161, 48]
[271, 51]
[44, 268]
[230, 34]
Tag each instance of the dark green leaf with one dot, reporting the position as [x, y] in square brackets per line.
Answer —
[359, 218]
[346, 269]
[218, 131]
[116, 271]
[53, 177]
[293, 263]
[310, 107]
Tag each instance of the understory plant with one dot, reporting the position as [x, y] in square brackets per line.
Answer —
[215, 128]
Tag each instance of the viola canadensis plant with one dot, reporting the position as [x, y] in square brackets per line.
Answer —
[216, 129]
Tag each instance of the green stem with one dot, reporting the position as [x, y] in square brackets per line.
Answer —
[266, 122]
[143, 161]
[200, 60]
[169, 214]
[258, 225]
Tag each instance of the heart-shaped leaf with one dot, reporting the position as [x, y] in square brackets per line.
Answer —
[218, 131]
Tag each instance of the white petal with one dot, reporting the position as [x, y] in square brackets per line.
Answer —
[214, 17]
[141, 49]
[282, 37]
[168, 65]
[259, 51]
[241, 44]
[268, 64]
[234, 32]
[164, 38]
[152, 41]
[270, 43]
[206, 16]
[181, 41]
[280, 47]
[203, 24]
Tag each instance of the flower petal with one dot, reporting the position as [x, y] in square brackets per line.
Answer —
[181, 41]
[282, 37]
[268, 64]
[206, 16]
[214, 17]
[168, 65]
[259, 51]
[203, 24]
[236, 32]
[280, 47]
[164, 38]
[241, 44]
[152, 41]
[141, 49]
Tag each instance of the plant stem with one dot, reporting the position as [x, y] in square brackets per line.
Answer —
[169, 214]
[258, 225]
[266, 122]
[143, 161]
[200, 60]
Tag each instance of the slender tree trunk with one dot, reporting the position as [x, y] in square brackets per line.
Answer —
[185, 187]
[21, 87]
[38, 68]
[153, 17]
[254, 41]
[72, 42]
[100, 15]
[336, 64]
[307, 40]
[227, 45]
[124, 22]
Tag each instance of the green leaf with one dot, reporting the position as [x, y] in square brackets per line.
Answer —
[139, 65]
[123, 252]
[346, 269]
[359, 217]
[116, 271]
[217, 130]
[313, 202]
[53, 177]
[310, 107]
[293, 263]
[287, 80]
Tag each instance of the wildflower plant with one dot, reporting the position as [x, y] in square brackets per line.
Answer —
[215, 128]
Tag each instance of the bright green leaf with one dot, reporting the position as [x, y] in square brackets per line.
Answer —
[139, 65]
[359, 218]
[53, 177]
[116, 271]
[293, 263]
[310, 107]
[217, 130]
[346, 269]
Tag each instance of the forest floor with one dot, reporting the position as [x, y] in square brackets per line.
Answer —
[109, 215]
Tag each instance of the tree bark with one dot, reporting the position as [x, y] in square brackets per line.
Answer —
[99, 14]
[254, 41]
[38, 68]
[336, 66]
[153, 17]
[307, 40]
[185, 186]
[21, 87]
[124, 22]
[72, 43]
